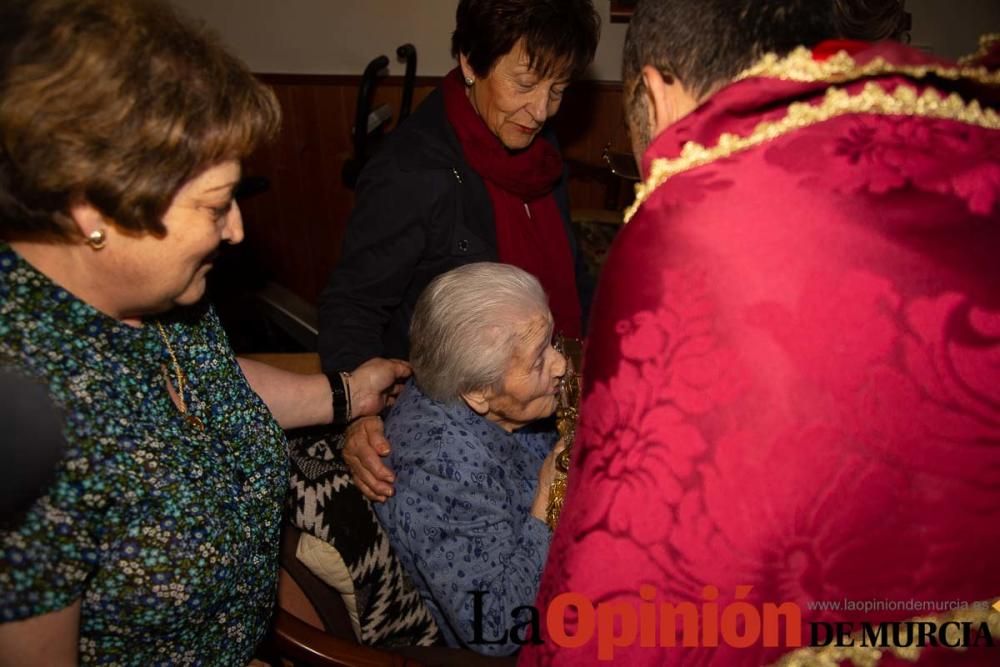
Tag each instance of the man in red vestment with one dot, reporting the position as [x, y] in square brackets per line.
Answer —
[790, 423]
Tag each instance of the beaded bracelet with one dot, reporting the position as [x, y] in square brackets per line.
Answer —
[345, 377]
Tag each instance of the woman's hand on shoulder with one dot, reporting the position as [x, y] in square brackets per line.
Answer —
[375, 384]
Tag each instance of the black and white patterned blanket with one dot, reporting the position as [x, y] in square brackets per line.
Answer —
[328, 505]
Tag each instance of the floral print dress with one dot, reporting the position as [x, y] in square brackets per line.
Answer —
[165, 532]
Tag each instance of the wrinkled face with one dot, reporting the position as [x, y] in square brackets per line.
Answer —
[530, 387]
[513, 100]
[161, 272]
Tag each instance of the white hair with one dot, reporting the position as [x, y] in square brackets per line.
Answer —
[463, 334]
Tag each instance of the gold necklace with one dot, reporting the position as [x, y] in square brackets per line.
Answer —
[179, 389]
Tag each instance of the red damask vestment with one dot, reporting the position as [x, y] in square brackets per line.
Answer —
[792, 378]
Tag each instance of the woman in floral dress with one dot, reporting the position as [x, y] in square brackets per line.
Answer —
[121, 131]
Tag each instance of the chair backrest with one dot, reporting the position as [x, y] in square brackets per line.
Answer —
[312, 627]
[306, 596]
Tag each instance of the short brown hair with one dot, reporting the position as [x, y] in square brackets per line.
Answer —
[117, 102]
[560, 36]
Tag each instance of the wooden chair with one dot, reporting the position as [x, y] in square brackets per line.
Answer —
[311, 627]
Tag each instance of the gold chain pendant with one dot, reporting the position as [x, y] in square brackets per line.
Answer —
[179, 388]
[194, 421]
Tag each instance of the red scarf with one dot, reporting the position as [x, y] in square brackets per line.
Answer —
[531, 233]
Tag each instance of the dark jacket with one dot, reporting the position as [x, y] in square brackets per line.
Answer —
[420, 211]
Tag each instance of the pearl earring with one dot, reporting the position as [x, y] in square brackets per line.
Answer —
[97, 239]
[469, 81]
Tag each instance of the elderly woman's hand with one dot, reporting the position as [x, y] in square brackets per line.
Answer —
[375, 384]
[546, 475]
[364, 447]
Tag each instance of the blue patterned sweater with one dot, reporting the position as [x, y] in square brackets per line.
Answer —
[460, 518]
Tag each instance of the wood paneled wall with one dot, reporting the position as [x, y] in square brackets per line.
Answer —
[294, 230]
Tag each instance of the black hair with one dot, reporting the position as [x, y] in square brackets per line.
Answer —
[705, 43]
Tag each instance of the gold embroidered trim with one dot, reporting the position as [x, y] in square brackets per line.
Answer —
[985, 43]
[799, 65]
[873, 99]
[870, 656]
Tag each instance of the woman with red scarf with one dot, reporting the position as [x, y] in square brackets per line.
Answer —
[472, 175]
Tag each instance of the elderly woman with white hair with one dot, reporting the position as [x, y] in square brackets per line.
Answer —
[473, 468]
